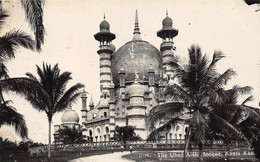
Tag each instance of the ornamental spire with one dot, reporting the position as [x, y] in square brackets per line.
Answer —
[136, 29]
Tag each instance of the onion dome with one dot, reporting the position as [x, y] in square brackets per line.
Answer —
[167, 23]
[104, 35]
[104, 26]
[70, 116]
[136, 56]
[167, 30]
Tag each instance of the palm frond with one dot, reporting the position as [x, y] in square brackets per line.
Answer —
[172, 108]
[8, 116]
[31, 76]
[61, 84]
[154, 135]
[11, 41]
[223, 78]
[34, 15]
[178, 92]
[248, 99]
[69, 96]
[226, 128]
[3, 71]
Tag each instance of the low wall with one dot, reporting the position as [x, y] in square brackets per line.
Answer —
[136, 145]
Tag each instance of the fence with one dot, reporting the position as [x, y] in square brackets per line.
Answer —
[138, 145]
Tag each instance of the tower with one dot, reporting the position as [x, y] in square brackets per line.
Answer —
[167, 33]
[84, 105]
[105, 37]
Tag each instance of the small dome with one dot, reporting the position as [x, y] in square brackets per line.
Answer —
[104, 26]
[70, 116]
[167, 23]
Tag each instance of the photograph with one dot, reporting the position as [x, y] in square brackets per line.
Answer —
[129, 80]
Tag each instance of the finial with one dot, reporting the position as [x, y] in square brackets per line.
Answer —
[136, 17]
[166, 12]
[104, 15]
[136, 29]
[70, 106]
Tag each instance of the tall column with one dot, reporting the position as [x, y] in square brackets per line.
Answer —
[105, 37]
[151, 79]
[84, 106]
[136, 109]
[167, 33]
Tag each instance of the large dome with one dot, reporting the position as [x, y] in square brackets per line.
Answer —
[70, 116]
[136, 57]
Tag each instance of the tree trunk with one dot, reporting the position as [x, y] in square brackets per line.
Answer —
[187, 142]
[49, 145]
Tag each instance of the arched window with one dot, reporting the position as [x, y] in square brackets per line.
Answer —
[105, 114]
[107, 130]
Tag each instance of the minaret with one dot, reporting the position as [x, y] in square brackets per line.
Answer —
[112, 108]
[167, 33]
[84, 106]
[91, 104]
[105, 37]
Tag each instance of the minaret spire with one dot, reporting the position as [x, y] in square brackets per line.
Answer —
[136, 29]
[166, 12]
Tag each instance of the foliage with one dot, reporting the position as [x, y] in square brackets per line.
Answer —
[256, 147]
[71, 135]
[9, 116]
[7, 145]
[125, 133]
[201, 89]
[8, 45]
[48, 92]
[34, 15]
[52, 95]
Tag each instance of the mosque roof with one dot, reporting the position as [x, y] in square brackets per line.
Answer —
[136, 57]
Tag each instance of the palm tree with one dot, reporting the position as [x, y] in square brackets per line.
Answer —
[199, 89]
[51, 95]
[71, 135]
[8, 45]
[244, 118]
[125, 133]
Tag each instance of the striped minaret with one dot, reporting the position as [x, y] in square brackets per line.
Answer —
[167, 33]
[105, 37]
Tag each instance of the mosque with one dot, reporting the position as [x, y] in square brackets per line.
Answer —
[132, 81]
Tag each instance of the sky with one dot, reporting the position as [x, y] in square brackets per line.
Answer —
[227, 25]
